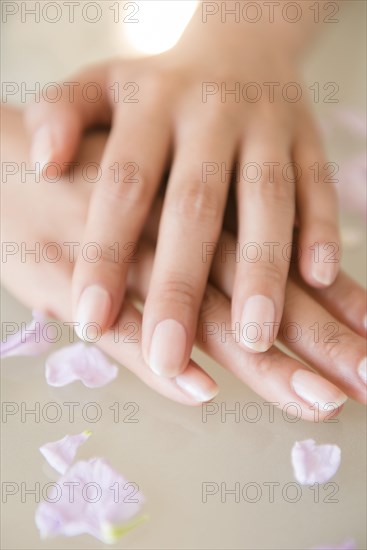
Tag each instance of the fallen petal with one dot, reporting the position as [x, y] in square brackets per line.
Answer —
[314, 463]
[91, 498]
[60, 454]
[80, 362]
[29, 340]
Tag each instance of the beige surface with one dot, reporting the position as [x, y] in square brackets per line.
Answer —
[170, 452]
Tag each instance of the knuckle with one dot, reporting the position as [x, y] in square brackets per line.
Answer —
[219, 115]
[265, 363]
[130, 187]
[275, 188]
[95, 256]
[179, 289]
[211, 304]
[196, 202]
[280, 192]
[108, 256]
[273, 273]
[335, 345]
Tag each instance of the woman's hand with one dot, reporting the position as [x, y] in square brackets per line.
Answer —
[202, 111]
[32, 215]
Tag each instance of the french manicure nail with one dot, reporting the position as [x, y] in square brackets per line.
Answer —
[94, 307]
[314, 389]
[42, 148]
[323, 271]
[258, 310]
[197, 384]
[362, 370]
[168, 348]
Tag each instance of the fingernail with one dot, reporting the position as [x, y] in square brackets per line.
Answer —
[94, 307]
[323, 271]
[197, 384]
[42, 148]
[362, 370]
[314, 389]
[365, 322]
[168, 348]
[257, 311]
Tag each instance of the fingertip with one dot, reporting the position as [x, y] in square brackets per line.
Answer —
[93, 311]
[167, 352]
[196, 383]
[319, 263]
[55, 137]
[42, 149]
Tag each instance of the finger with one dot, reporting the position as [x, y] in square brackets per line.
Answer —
[272, 374]
[316, 336]
[131, 168]
[47, 286]
[345, 300]
[278, 378]
[57, 122]
[265, 199]
[53, 297]
[192, 387]
[317, 208]
[192, 215]
[310, 331]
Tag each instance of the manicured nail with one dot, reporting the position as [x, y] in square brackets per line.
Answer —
[362, 370]
[94, 307]
[314, 389]
[197, 384]
[255, 333]
[42, 147]
[324, 271]
[168, 348]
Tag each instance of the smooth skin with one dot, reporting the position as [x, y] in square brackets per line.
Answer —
[32, 215]
[172, 113]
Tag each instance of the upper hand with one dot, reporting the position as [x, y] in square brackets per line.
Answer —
[162, 116]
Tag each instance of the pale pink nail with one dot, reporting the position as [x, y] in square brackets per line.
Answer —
[42, 147]
[255, 333]
[323, 270]
[94, 307]
[362, 370]
[195, 383]
[168, 348]
[314, 389]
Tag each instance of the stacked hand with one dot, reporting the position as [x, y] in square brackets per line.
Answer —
[200, 112]
[335, 350]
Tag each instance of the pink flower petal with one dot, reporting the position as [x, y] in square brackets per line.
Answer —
[60, 454]
[347, 545]
[90, 498]
[314, 463]
[79, 362]
[29, 340]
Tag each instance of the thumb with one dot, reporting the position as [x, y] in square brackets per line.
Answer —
[56, 127]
